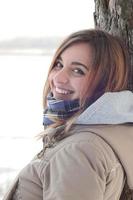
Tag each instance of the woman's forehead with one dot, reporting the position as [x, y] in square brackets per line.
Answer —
[78, 50]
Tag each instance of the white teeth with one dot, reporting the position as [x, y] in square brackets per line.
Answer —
[61, 91]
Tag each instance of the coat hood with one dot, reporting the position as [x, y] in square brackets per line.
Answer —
[110, 108]
[111, 117]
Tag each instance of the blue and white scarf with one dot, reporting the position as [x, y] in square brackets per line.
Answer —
[59, 110]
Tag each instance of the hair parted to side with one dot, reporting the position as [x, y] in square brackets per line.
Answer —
[110, 66]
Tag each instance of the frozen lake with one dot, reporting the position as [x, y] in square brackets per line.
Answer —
[21, 84]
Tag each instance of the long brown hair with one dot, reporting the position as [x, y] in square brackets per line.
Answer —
[110, 66]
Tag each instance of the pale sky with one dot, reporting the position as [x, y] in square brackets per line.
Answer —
[39, 18]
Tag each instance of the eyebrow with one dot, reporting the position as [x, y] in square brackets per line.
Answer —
[75, 63]
[78, 63]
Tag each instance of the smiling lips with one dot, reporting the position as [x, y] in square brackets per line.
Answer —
[63, 91]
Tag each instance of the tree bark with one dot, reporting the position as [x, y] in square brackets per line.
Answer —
[116, 17]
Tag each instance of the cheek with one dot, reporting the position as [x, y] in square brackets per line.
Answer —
[83, 89]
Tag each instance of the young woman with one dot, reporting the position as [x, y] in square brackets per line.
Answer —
[88, 116]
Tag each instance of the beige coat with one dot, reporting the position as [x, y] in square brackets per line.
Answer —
[82, 166]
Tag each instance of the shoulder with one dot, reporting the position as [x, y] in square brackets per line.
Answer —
[83, 146]
[83, 157]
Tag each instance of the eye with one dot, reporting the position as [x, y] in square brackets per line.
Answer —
[78, 71]
[57, 65]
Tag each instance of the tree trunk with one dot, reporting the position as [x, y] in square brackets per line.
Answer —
[116, 17]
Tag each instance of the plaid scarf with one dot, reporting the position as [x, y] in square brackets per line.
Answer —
[59, 110]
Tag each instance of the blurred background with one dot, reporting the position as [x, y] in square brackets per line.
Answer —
[30, 31]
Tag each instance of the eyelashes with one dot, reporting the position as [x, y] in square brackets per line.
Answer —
[78, 71]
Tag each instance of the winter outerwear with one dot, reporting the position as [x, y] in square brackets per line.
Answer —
[93, 161]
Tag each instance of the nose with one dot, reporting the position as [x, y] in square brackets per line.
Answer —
[62, 76]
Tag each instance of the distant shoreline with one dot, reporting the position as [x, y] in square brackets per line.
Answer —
[27, 52]
[30, 46]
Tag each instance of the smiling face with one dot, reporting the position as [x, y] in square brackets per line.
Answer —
[69, 76]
